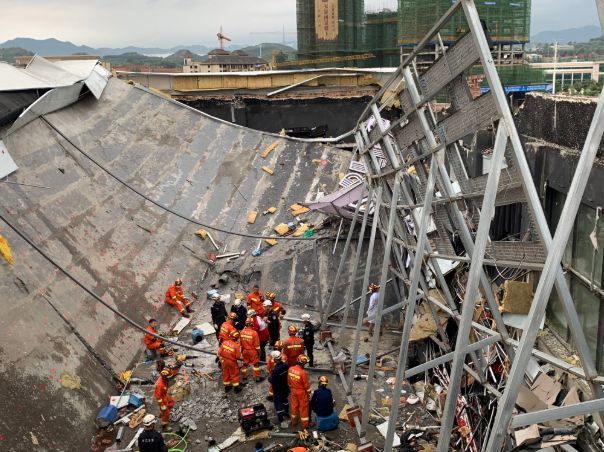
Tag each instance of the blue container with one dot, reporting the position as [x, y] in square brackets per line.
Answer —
[106, 416]
[196, 336]
[136, 400]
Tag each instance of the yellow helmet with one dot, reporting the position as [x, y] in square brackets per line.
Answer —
[323, 380]
[303, 359]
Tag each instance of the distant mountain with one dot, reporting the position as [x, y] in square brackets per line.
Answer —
[52, 46]
[267, 50]
[581, 34]
[8, 54]
[179, 56]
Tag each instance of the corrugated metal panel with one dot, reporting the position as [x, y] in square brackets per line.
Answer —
[97, 80]
[51, 73]
[7, 164]
[14, 79]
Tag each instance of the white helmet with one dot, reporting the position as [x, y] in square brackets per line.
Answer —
[267, 303]
[215, 297]
[237, 302]
[251, 312]
[276, 354]
[305, 317]
[148, 420]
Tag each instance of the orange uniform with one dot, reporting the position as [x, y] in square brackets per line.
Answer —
[229, 352]
[152, 342]
[225, 331]
[254, 301]
[292, 348]
[176, 297]
[278, 307]
[270, 365]
[300, 389]
[250, 347]
[163, 399]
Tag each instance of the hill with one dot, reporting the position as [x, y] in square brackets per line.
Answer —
[8, 54]
[52, 46]
[267, 50]
[581, 34]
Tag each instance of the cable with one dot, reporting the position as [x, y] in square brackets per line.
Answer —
[95, 296]
[168, 209]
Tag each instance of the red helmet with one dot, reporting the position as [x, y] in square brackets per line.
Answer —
[373, 287]
[270, 295]
[302, 359]
[178, 282]
[323, 380]
[232, 316]
[249, 322]
[278, 345]
[292, 330]
[235, 335]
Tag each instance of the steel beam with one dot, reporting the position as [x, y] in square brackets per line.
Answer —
[556, 413]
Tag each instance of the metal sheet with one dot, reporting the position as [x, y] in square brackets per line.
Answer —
[7, 164]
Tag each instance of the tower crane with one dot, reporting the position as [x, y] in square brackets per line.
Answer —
[222, 38]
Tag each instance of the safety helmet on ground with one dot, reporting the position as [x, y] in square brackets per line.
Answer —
[148, 420]
[302, 359]
[278, 345]
[270, 295]
[305, 317]
[165, 373]
[249, 321]
[232, 316]
[237, 302]
[292, 330]
[276, 354]
[234, 335]
[251, 312]
[323, 380]
[373, 287]
[178, 281]
[267, 303]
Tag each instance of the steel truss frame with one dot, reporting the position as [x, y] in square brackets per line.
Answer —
[406, 169]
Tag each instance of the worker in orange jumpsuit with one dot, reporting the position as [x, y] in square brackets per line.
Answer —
[276, 305]
[165, 402]
[229, 352]
[154, 345]
[293, 346]
[227, 328]
[300, 392]
[176, 297]
[255, 300]
[270, 365]
[250, 348]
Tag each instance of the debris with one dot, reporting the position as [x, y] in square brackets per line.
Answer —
[383, 429]
[269, 210]
[517, 298]
[350, 447]
[528, 401]
[269, 149]
[180, 325]
[546, 389]
[137, 418]
[135, 439]
[5, 250]
[230, 255]
[281, 229]
[213, 241]
[266, 169]
[119, 401]
[228, 442]
[34, 439]
[206, 328]
[527, 435]
[251, 217]
[297, 209]
[70, 381]
[271, 242]
[301, 230]
[425, 326]
[342, 415]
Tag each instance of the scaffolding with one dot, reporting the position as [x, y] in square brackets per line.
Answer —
[381, 37]
[507, 22]
[409, 166]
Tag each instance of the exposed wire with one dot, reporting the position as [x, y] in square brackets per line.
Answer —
[95, 296]
[166, 208]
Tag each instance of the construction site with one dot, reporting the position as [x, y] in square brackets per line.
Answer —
[420, 261]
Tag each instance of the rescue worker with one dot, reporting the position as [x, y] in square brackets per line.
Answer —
[369, 321]
[300, 392]
[151, 440]
[229, 352]
[227, 328]
[255, 300]
[241, 311]
[218, 312]
[273, 323]
[250, 349]
[165, 402]
[270, 365]
[322, 403]
[277, 306]
[262, 330]
[280, 388]
[176, 297]
[308, 336]
[293, 346]
[155, 346]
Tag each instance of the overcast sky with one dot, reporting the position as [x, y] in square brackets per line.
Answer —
[165, 23]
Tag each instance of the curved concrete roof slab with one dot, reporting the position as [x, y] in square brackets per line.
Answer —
[127, 250]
